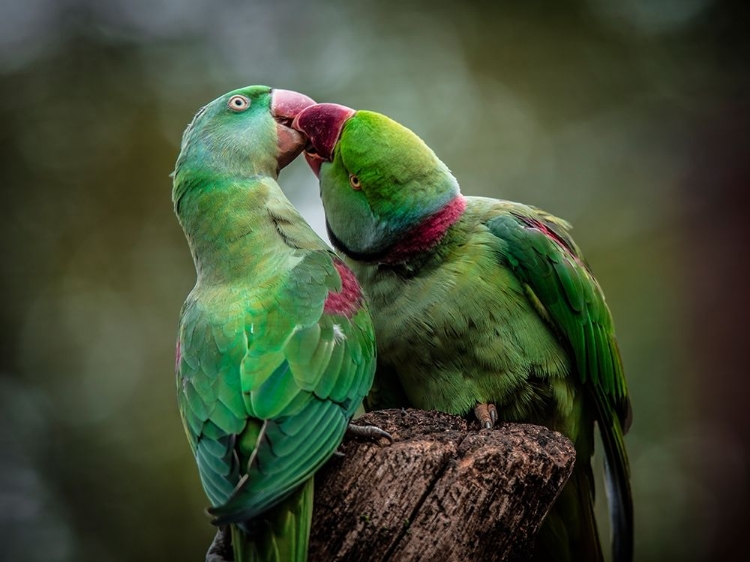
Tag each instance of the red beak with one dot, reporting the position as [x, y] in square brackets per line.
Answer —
[322, 123]
[285, 106]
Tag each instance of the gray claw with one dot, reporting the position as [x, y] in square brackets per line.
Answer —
[368, 431]
[493, 414]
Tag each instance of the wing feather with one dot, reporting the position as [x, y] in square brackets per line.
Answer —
[542, 255]
[297, 377]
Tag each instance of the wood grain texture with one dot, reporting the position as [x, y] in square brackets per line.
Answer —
[443, 491]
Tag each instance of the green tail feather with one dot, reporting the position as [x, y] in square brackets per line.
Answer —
[569, 533]
[282, 534]
[617, 483]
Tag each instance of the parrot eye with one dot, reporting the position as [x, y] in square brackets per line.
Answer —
[354, 182]
[238, 103]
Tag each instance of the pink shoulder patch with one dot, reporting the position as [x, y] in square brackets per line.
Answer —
[427, 234]
[177, 356]
[347, 301]
[549, 233]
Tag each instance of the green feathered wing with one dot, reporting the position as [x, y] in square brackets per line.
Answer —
[267, 383]
[539, 250]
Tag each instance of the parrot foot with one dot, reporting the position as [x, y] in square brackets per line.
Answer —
[368, 432]
[486, 413]
[221, 547]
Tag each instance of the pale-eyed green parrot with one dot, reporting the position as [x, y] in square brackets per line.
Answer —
[276, 348]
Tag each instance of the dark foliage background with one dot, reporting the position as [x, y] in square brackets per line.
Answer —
[627, 117]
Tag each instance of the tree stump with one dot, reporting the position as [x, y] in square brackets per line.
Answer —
[444, 491]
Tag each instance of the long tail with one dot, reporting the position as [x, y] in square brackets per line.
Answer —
[569, 533]
[617, 482]
[282, 534]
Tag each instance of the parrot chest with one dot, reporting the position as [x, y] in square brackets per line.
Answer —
[464, 332]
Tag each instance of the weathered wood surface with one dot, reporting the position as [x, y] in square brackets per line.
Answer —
[443, 491]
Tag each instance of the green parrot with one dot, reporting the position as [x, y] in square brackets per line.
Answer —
[479, 305]
[276, 347]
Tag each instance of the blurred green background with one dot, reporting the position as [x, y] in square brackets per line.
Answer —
[626, 117]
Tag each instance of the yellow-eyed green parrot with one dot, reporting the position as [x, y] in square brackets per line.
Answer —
[479, 305]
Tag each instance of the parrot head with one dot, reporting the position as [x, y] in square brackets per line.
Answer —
[378, 180]
[246, 132]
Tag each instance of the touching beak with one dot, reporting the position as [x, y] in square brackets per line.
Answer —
[322, 124]
[285, 106]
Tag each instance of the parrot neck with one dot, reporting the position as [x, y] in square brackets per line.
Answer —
[224, 227]
[420, 239]
[428, 233]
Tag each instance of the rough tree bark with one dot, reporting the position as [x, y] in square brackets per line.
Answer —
[444, 491]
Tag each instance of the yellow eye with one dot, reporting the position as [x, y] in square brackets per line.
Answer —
[238, 103]
[354, 182]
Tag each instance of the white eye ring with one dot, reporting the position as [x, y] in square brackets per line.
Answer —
[238, 103]
[354, 182]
